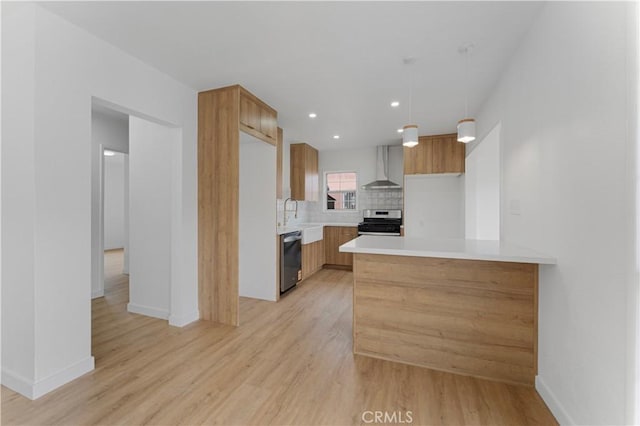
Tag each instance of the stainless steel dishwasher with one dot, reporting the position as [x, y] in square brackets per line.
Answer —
[290, 260]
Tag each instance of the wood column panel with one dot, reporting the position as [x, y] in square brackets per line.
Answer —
[218, 186]
[279, 148]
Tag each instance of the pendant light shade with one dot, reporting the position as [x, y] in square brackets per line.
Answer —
[410, 135]
[466, 130]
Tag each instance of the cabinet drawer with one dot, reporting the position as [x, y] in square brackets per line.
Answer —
[348, 232]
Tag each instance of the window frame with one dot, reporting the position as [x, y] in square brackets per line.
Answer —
[325, 191]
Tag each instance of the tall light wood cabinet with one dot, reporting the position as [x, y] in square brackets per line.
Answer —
[304, 173]
[435, 154]
[222, 114]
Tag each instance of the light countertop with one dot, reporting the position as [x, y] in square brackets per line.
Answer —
[446, 248]
[300, 226]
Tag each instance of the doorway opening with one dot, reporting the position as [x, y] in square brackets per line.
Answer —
[136, 181]
[109, 189]
[115, 219]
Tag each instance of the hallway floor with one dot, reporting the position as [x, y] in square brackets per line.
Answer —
[289, 363]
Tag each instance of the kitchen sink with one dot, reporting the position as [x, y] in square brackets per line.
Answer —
[311, 233]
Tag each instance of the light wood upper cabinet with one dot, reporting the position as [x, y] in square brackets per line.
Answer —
[435, 154]
[257, 118]
[334, 237]
[304, 173]
[268, 123]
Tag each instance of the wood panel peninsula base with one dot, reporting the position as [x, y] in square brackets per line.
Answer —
[463, 306]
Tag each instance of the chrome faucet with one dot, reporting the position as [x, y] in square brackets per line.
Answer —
[285, 210]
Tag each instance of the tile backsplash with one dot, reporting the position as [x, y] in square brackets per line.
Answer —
[302, 216]
[380, 199]
[313, 212]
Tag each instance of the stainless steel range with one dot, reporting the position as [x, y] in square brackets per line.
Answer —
[381, 222]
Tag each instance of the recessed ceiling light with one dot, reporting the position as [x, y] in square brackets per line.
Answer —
[395, 104]
[336, 136]
[108, 153]
[313, 115]
[400, 130]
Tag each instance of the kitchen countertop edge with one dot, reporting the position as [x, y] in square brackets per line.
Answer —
[446, 248]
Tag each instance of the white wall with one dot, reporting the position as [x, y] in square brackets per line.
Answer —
[18, 199]
[114, 197]
[125, 263]
[257, 219]
[482, 189]
[151, 149]
[56, 70]
[363, 162]
[434, 206]
[568, 160]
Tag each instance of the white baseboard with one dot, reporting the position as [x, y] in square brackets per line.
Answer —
[97, 293]
[34, 390]
[17, 383]
[60, 378]
[182, 320]
[148, 311]
[553, 403]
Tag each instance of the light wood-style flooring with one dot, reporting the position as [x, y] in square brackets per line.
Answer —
[289, 363]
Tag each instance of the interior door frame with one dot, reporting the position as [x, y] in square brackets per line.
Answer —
[176, 318]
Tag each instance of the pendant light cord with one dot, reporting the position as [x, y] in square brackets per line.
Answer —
[408, 62]
[467, 51]
[410, 96]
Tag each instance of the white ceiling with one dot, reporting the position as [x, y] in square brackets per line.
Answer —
[342, 60]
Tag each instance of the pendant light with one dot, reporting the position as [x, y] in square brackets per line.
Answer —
[410, 135]
[410, 131]
[466, 126]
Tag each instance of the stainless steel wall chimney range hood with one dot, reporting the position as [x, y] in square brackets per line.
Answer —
[382, 172]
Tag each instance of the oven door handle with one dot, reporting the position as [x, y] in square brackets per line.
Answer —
[390, 234]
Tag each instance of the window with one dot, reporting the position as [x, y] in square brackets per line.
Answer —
[341, 190]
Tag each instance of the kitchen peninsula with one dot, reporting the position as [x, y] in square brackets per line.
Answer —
[464, 306]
